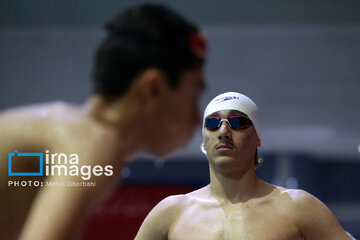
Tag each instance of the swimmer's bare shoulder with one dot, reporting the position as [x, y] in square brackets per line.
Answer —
[313, 217]
[20, 125]
[57, 127]
[23, 129]
[162, 218]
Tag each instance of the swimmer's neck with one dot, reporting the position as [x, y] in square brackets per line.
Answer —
[234, 190]
[120, 117]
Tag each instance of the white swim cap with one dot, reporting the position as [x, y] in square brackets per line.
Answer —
[235, 101]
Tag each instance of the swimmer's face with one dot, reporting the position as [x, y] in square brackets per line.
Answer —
[228, 148]
[179, 113]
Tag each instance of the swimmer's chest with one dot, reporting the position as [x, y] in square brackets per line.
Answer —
[235, 222]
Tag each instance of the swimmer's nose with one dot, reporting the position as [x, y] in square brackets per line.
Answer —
[224, 131]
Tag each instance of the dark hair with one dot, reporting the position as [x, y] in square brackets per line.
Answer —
[150, 35]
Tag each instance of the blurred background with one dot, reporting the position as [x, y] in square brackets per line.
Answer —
[298, 60]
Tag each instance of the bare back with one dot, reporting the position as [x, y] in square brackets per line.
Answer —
[56, 127]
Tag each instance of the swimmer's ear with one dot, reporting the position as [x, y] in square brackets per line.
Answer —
[202, 147]
[152, 84]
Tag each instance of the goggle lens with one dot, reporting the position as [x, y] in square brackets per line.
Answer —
[235, 122]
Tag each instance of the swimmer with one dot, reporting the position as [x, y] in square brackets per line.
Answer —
[237, 204]
[147, 77]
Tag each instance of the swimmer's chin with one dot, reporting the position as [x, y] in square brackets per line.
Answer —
[160, 155]
[162, 152]
[170, 152]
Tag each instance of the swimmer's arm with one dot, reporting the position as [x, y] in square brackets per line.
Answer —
[315, 219]
[157, 224]
[58, 213]
[61, 212]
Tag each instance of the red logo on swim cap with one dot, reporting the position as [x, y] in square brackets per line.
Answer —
[197, 43]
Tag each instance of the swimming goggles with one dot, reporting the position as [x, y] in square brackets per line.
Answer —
[213, 123]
